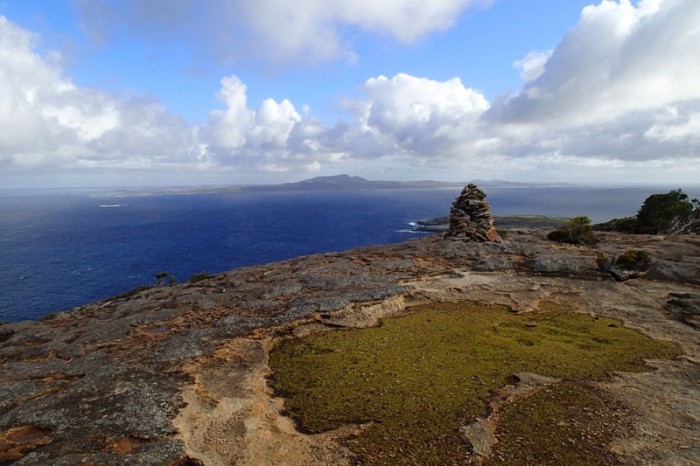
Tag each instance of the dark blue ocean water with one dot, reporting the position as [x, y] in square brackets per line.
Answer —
[65, 249]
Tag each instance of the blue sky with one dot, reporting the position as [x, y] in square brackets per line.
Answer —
[108, 92]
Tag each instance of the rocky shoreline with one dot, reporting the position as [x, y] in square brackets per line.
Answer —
[178, 375]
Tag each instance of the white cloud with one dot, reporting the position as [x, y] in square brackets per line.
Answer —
[420, 117]
[272, 138]
[402, 117]
[620, 87]
[619, 91]
[620, 58]
[283, 31]
[675, 124]
[49, 122]
[532, 66]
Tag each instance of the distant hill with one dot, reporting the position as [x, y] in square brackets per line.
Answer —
[347, 182]
[320, 183]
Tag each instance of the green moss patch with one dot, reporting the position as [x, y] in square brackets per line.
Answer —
[569, 423]
[418, 378]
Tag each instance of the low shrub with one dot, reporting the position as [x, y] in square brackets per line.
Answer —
[502, 233]
[199, 277]
[623, 225]
[576, 231]
[604, 263]
[634, 259]
[130, 293]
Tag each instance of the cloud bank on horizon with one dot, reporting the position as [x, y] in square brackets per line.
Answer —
[619, 92]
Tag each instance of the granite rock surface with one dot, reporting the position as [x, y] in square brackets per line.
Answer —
[177, 375]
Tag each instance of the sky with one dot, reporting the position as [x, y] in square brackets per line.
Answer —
[97, 93]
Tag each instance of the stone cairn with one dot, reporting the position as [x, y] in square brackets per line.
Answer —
[470, 217]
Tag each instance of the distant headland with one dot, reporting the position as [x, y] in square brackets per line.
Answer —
[342, 182]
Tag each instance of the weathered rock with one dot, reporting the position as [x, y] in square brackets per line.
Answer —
[104, 383]
[685, 307]
[5, 333]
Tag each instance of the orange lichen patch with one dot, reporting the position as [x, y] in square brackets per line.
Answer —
[60, 377]
[18, 441]
[127, 445]
[48, 356]
[54, 383]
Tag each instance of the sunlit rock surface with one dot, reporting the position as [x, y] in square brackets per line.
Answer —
[178, 375]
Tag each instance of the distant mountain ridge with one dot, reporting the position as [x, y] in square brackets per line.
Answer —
[347, 182]
[320, 183]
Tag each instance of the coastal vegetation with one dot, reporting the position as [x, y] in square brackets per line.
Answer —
[165, 279]
[570, 424]
[162, 279]
[415, 380]
[198, 277]
[130, 293]
[634, 259]
[576, 231]
[669, 213]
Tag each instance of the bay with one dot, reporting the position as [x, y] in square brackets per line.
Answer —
[66, 248]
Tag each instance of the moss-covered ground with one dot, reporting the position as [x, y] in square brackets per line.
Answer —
[418, 378]
[570, 423]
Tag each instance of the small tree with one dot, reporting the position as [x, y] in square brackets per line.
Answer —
[576, 231]
[665, 213]
[669, 213]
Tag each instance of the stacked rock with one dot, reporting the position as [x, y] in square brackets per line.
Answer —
[470, 217]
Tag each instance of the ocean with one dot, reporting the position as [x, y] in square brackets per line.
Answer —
[61, 249]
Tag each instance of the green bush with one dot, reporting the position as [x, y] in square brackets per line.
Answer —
[199, 277]
[604, 263]
[665, 213]
[660, 214]
[623, 225]
[576, 231]
[634, 259]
